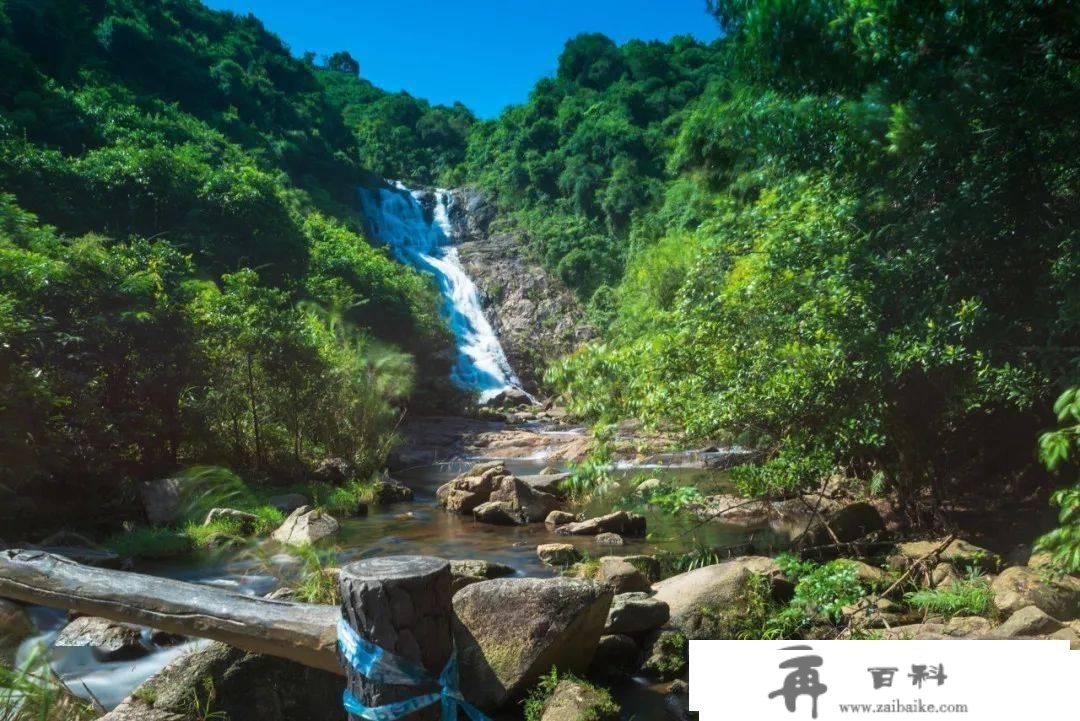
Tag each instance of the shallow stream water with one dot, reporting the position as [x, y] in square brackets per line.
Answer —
[415, 527]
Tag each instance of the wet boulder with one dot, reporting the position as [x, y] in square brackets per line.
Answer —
[305, 526]
[696, 596]
[1021, 586]
[110, 641]
[509, 631]
[622, 522]
[635, 613]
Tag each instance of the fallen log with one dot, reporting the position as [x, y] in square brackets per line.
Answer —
[301, 632]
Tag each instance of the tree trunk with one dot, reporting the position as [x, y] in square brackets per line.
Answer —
[401, 604]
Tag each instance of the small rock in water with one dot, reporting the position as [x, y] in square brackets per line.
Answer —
[388, 490]
[559, 518]
[609, 539]
[621, 522]
[111, 641]
[558, 554]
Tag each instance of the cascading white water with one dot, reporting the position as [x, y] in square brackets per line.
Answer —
[397, 218]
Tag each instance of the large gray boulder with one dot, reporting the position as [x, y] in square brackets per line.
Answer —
[635, 613]
[695, 596]
[305, 526]
[471, 488]
[1028, 621]
[510, 631]
[110, 641]
[622, 522]
[1021, 586]
[244, 687]
[531, 505]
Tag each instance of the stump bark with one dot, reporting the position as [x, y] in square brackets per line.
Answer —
[402, 604]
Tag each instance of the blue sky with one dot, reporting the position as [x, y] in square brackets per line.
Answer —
[486, 53]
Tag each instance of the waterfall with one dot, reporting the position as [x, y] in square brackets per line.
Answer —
[396, 218]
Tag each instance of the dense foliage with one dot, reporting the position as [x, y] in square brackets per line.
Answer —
[399, 136]
[589, 149]
[858, 247]
[182, 278]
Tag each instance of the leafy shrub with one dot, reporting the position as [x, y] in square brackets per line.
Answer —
[1057, 449]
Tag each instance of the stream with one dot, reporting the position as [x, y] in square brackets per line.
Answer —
[415, 226]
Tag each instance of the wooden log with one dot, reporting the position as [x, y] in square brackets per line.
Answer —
[401, 604]
[301, 632]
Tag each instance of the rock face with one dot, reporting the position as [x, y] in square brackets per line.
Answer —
[471, 488]
[694, 595]
[558, 554]
[111, 641]
[531, 505]
[305, 526]
[535, 314]
[575, 701]
[494, 495]
[246, 687]
[622, 522]
[462, 573]
[510, 631]
[634, 613]
[1022, 586]
[620, 575]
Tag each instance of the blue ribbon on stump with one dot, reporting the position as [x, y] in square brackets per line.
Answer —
[377, 664]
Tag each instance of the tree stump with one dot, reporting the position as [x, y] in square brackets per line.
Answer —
[402, 604]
